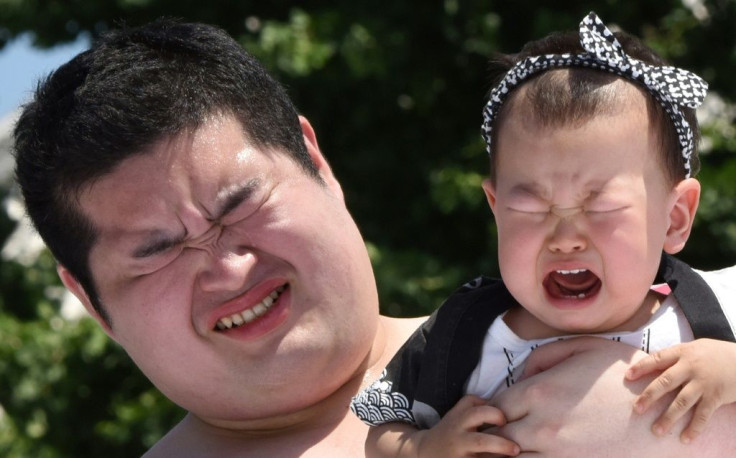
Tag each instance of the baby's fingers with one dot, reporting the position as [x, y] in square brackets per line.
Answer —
[684, 401]
[655, 362]
[667, 381]
[471, 412]
[482, 443]
[703, 411]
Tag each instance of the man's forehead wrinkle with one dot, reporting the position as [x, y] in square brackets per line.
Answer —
[144, 210]
[167, 151]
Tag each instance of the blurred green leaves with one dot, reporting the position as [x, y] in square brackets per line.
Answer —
[66, 389]
[394, 91]
[294, 47]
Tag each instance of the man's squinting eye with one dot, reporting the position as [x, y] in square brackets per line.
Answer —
[155, 248]
[154, 257]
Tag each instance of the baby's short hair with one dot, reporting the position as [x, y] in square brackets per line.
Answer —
[570, 96]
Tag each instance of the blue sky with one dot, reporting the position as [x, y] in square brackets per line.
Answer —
[21, 65]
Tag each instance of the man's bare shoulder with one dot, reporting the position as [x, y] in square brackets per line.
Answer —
[187, 440]
[401, 328]
[181, 441]
[398, 330]
[192, 438]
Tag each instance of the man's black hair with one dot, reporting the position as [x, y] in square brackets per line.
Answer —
[134, 87]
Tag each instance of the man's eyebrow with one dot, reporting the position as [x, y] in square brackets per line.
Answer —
[234, 196]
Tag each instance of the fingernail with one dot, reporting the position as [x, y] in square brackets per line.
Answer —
[658, 430]
[638, 407]
[686, 439]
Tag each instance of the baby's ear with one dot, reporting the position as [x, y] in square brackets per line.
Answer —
[490, 191]
[682, 214]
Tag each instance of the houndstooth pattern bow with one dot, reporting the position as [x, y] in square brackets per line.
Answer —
[671, 87]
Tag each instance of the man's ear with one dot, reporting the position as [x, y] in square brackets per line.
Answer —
[490, 192]
[686, 197]
[71, 283]
[310, 140]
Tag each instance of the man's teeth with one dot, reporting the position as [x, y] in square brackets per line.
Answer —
[248, 315]
[571, 272]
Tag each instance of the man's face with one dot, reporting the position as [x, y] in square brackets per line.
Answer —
[582, 215]
[205, 232]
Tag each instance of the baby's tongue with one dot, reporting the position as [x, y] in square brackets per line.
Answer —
[572, 284]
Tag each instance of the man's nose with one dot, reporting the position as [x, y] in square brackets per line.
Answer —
[226, 269]
[225, 261]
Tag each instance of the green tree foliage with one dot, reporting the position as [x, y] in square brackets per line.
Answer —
[395, 91]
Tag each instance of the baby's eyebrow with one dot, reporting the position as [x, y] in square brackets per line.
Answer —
[527, 189]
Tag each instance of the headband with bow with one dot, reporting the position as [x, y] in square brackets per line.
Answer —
[671, 87]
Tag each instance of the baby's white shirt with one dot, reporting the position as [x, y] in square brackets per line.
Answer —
[504, 353]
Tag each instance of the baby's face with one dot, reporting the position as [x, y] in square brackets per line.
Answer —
[583, 214]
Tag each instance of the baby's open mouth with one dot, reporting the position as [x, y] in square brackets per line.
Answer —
[251, 314]
[572, 284]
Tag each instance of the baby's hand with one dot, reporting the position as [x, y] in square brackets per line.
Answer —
[703, 370]
[458, 433]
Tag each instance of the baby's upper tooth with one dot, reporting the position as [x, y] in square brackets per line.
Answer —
[571, 272]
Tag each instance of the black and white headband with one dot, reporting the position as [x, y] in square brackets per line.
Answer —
[671, 87]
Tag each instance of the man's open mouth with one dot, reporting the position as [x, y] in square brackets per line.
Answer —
[572, 284]
[251, 314]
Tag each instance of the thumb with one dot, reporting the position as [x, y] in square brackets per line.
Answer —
[551, 354]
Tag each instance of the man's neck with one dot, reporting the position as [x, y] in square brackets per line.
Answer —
[326, 428]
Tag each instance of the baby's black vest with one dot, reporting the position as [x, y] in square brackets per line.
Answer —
[459, 326]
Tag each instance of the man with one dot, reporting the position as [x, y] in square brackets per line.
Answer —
[192, 212]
